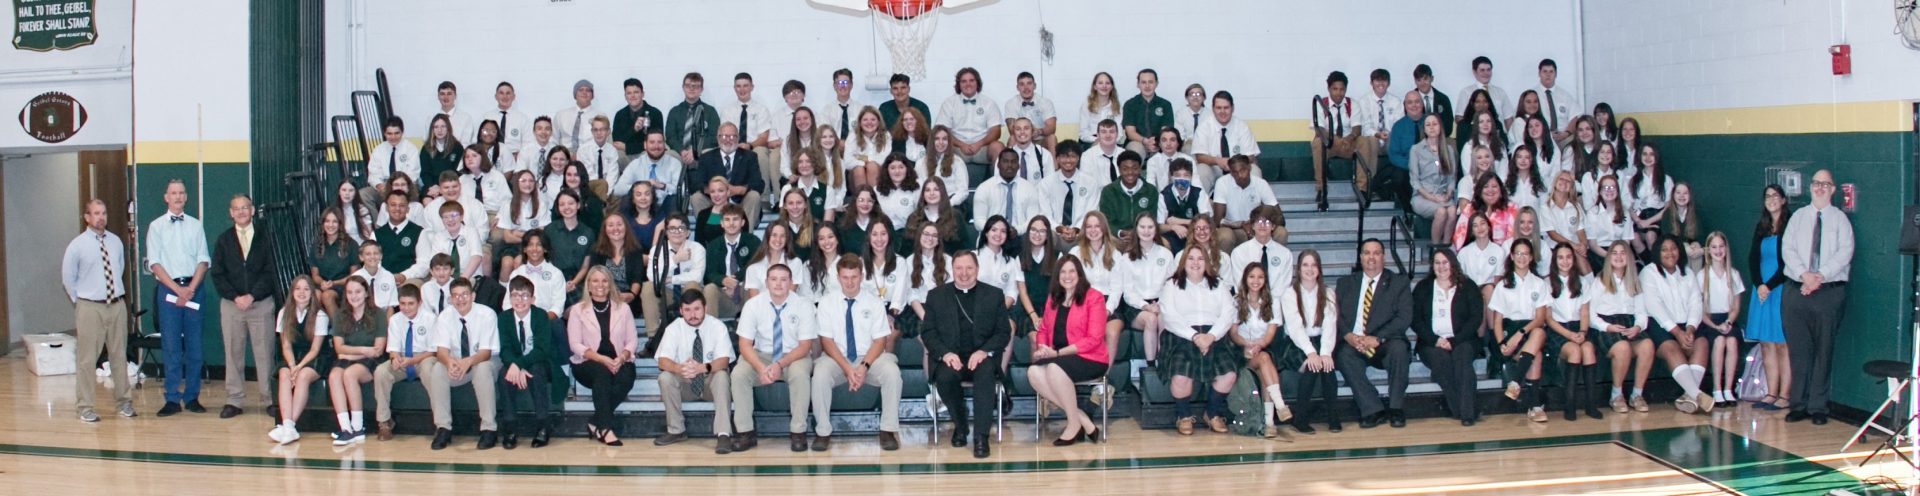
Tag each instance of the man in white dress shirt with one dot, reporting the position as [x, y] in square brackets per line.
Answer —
[1223, 136]
[1069, 193]
[973, 117]
[600, 156]
[394, 155]
[1006, 194]
[1028, 104]
[755, 125]
[695, 349]
[1559, 104]
[776, 339]
[654, 166]
[1818, 253]
[1483, 80]
[514, 124]
[571, 124]
[177, 257]
[1376, 113]
[464, 127]
[1034, 161]
[533, 155]
[1337, 134]
[841, 114]
[93, 272]
[465, 339]
[1234, 198]
[853, 331]
[457, 238]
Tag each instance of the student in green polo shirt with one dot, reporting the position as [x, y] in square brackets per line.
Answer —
[570, 236]
[1122, 201]
[727, 257]
[397, 236]
[693, 126]
[1144, 113]
[901, 87]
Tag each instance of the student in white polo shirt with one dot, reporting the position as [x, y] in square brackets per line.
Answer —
[1028, 104]
[409, 346]
[1234, 198]
[393, 156]
[533, 154]
[549, 285]
[382, 284]
[459, 122]
[1223, 137]
[776, 342]
[1559, 104]
[599, 155]
[571, 125]
[1033, 161]
[1375, 112]
[1187, 119]
[973, 117]
[794, 94]
[1168, 143]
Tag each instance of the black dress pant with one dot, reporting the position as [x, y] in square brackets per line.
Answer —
[1453, 371]
[538, 395]
[1392, 356]
[609, 388]
[1810, 322]
[947, 381]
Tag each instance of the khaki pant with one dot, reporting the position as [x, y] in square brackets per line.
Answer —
[241, 331]
[1363, 150]
[749, 203]
[885, 374]
[439, 385]
[97, 326]
[384, 377]
[650, 310]
[723, 306]
[375, 196]
[798, 379]
[673, 388]
[769, 166]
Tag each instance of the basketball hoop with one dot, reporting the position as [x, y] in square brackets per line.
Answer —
[907, 26]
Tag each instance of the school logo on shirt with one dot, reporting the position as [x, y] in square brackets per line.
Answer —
[1142, 202]
[405, 158]
[545, 275]
[1534, 296]
[515, 132]
[1492, 260]
[866, 314]
[1080, 191]
[406, 242]
[980, 111]
[1160, 262]
[582, 240]
[906, 202]
[1236, 149]
[386, 286]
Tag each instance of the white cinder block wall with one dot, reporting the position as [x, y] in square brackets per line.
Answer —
[1651, 55]
[1271, 54]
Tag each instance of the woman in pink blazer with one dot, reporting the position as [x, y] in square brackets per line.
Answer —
[603, 341]
[1070, 346]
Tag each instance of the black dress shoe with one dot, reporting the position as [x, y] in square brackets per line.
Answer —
[744, 441]
[510, 441]
[441, 438]
[960, 438]
[540, 437]
[1092, 436]
[1466, 422]
[1371, 421]
[168, 410]
[1333, 426]
[1320, 200]
[670, 438]
[230, 411]
[797, 442]
[723, 445]
[1303, 427]
[1797, 415]
[980, 449]
[1819, 419]
[487, 439]
[889, 441]
[194, 406]
[820, 443]
[1396, 418]
[1066, 442]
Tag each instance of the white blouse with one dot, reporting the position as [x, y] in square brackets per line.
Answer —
[1090, 120]
[1296, 308]
[1671, 298]
[797, 268]
[1647, 196]
[1567, 307]
[1563, 220]
[1253, 328]
[917, 293]
[889, 288]
[1142, 279]
[1519, 302]
[1721, 289]
[1195, 305]
[1618, 302]
[1443, 311]
[1482, 261]
[1602, 231]
[956, 180]
[899, 204]
[1106, 279]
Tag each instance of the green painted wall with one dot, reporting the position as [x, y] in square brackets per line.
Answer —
[206, 193]
[1726, 172]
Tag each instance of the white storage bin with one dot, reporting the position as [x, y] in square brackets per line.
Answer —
[50, 354]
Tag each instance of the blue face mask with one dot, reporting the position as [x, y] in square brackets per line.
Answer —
[1182, 183]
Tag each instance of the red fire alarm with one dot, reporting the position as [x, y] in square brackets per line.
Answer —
[1842, 59]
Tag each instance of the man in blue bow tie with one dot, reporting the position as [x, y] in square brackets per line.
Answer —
[973, 118]
[177, 257]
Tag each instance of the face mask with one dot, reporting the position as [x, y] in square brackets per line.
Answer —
[1182, 183]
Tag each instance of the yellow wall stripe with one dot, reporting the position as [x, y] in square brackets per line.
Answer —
[188, 152]
[1264, 131]
[1858, 117]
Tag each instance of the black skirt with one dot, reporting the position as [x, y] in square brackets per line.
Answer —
[1608, 339]
[1648, 213]
[1720, 318]
[1555, 341]
[1078, 369]
[1285, 355]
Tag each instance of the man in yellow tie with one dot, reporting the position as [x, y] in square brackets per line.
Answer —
[1376, 309]
[243, 271]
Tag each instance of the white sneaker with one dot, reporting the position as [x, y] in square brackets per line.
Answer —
[289, 436]
[1686, 405]
[278, 433]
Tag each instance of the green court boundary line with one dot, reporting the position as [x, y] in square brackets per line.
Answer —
[1750, 468]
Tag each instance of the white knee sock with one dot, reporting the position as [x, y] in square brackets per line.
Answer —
[346, 424]
[1273, 395]
[358, 419]
[1270, 411]
[1689, 382]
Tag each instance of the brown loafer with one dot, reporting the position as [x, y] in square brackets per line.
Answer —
[1217, 424]
[797, 442]
[889, 441]
[386, 431]
[822, 443]
[1184, 426]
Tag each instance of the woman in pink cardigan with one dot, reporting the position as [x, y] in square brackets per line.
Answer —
[602, 360]
[1070, 346]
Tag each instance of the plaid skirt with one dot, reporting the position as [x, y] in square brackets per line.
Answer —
[1608, 339]
[1180, 357]
[1285, 355]
[1555, 341]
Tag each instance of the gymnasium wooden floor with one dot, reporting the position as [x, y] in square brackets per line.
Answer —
[44, 449]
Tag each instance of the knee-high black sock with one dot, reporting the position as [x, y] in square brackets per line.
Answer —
[1183, 407]
[1217, 404]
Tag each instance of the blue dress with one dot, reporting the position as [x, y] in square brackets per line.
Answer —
[1763, 319]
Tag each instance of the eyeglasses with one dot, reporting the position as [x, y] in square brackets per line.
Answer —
[676, 229]
[841, 83]
[1823, 184]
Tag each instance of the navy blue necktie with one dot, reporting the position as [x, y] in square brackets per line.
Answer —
[850, 352]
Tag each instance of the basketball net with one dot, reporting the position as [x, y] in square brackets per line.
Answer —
[907, 30]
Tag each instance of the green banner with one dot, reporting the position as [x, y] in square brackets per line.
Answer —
[45, 25]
